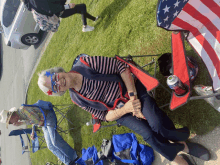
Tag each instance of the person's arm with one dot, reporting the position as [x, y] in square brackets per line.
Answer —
[129, 83]
[32, 133]
[130, 106]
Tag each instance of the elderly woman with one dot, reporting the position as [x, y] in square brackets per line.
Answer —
[105, 88]
[33, 116]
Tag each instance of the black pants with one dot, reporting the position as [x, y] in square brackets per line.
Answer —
[79, 9]
[157, 129]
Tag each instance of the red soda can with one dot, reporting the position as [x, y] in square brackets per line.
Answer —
[176, 85]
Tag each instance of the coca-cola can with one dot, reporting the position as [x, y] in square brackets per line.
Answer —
[176, 85]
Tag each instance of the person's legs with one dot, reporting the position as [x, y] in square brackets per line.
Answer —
[156, 141]
[157, 119]
[79, 9]
[55, 142]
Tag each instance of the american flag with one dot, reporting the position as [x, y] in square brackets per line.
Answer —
[202, 19]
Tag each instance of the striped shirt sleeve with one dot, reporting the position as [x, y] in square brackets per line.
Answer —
[105, 65]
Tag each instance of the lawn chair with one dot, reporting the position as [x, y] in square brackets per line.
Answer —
[198, 21]
[62, 111]
[35, 145]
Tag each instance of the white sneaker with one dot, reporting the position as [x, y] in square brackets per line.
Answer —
[88, 28]
[96, 18]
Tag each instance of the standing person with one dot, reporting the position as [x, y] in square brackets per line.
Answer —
[33, 115]
[46, 13]
[105, 88]
[72, 8]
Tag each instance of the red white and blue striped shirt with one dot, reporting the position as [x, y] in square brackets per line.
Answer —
[104, 91]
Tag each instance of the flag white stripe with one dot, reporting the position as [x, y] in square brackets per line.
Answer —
[211, 40]
[217, 2]
[205, 11]
[190, 20]
[208, 62]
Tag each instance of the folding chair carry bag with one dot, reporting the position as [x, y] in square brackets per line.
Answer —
[126, 149]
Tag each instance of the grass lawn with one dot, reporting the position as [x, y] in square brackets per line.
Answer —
[126, 27]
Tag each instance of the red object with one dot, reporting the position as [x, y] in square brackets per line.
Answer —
[49, 92]
[201, 19]
[97, 124]
[147, 80]
[180, 69]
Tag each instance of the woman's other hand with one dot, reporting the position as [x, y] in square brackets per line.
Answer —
[132, 106]
[72, 5]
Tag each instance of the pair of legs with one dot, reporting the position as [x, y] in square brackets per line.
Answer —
[157, 130]
[79, 9]
[55, 142]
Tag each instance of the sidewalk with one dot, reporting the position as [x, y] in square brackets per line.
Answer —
[211, 141]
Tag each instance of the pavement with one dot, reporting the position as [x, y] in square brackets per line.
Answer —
[210, 141]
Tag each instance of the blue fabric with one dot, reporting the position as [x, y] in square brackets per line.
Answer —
[89, 153]
[120, 143]
[35, 142]
[20, 131]
[22, 144]
[128, 141]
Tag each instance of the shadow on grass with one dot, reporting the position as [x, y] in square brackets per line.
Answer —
[111, 11]
[78, 117]
[197, 115]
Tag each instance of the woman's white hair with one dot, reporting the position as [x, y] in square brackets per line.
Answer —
[41, 80]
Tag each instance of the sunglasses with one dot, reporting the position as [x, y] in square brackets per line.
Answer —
[54, 80]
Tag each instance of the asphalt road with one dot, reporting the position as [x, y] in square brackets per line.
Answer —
[16, 69]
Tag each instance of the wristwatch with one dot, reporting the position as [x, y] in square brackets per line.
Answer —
[132, 94]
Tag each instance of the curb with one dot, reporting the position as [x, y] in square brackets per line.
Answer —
[36, 64]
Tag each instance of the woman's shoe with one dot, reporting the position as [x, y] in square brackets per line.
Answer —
[96, 18]
[88, 28]
[185, 157]
[198, 151]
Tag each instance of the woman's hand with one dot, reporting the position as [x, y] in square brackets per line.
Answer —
[72, 5]
[132, 106]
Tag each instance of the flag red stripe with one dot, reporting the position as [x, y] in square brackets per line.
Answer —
[201, 18]
[214, 7]
[208, 48]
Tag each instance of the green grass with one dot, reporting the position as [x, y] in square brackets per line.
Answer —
[126, 27]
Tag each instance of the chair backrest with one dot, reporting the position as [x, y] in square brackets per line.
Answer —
[19, 132]
[201, 19]
[46, 105]
[34, 144]
[43, 105]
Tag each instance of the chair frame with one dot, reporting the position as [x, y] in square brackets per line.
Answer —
[63, 116]
[129, 58]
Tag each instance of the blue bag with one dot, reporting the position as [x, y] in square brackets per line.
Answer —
[89, 157]
[126, 149]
